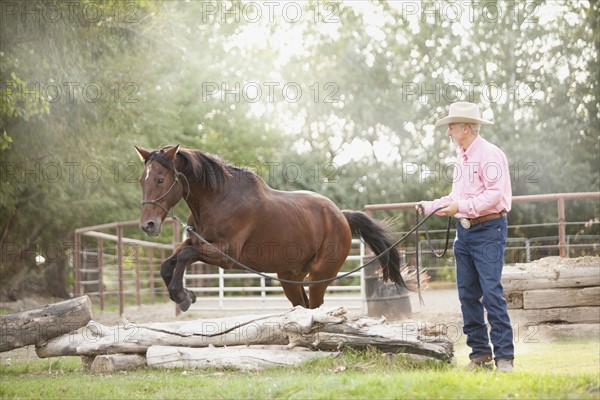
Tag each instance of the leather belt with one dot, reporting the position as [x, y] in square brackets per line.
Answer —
[469, 222]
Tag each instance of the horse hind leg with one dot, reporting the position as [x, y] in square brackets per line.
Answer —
[294, 292]
[326, 265]
[317, 291]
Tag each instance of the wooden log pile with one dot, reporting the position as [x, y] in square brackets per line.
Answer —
[243, 342]
[554, 291]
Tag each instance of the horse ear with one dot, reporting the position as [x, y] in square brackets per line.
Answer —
[172, 152]
[143, 153]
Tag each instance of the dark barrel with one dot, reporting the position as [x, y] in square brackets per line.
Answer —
[385, 299]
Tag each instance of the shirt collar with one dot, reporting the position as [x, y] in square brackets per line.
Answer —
[472, 148]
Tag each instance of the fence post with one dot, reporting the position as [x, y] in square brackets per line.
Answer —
[138, 287]
[120, 267]
[363, 294]
[77, 257]
[221, 287]
[150, 255]
[263, 285]
[101, 272]
[163, 286]
[176, 235]
[562, 230]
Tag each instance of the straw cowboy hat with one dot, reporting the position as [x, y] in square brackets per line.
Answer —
[463, 111]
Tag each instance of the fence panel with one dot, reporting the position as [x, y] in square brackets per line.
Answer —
[118, 269]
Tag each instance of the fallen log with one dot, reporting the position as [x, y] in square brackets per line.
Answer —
[515, 279]
[387, 338]
[321, 329]
[555, 298]
[45, 323]
[240, 357]
[128, 338]
[117, 362]
[565, 315]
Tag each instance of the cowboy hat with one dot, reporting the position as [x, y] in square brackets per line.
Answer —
[463, 111]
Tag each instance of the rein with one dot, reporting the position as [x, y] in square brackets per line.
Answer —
[191, 231]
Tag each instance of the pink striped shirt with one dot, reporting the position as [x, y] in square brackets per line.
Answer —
[481, 183]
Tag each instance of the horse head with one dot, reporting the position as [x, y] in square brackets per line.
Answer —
[162, 187]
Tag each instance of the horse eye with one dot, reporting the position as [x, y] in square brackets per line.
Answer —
[160, 180]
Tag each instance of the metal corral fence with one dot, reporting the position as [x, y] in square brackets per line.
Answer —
[116, 268]
[518, 249]
[119, 270]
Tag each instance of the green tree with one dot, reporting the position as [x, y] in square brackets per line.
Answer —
[341, 101]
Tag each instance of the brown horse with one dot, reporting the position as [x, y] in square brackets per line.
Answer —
[293, 234]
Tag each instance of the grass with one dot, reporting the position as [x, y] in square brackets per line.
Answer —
[564, 369]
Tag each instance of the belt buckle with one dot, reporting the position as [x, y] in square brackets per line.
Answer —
[465, 223]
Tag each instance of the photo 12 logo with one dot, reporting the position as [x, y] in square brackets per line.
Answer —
[490, 92]
[70, 92]
[269, 11]
[91, 12]
[450, 172]
[270, 92]
[72, 172]
[438, 11]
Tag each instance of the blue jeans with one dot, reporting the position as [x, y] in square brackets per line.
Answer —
[479, 254]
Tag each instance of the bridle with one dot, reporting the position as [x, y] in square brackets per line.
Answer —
[176, 175]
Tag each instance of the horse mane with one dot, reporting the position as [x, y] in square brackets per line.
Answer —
[206, 169]
[209, 171]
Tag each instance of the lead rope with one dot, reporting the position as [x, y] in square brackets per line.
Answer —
[430, 245]
[417, 258]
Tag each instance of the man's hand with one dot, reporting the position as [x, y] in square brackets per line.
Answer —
[449, 209]
[419, 208]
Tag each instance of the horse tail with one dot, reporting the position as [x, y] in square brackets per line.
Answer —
[379, 240]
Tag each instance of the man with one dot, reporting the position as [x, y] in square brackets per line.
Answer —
[480, 198]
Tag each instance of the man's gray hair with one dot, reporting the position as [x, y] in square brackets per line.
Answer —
[474, 127]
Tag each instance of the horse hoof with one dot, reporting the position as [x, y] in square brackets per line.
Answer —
[184, 305]
[192, 296]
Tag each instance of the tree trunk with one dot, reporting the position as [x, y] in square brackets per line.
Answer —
[240, 357]
[323, 329]
[117, 362]
[42, 324]
[54, 273]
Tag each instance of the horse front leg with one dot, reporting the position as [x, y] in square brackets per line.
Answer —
[168, 266]
[174, 279]
[178, 293]
[185, 256]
